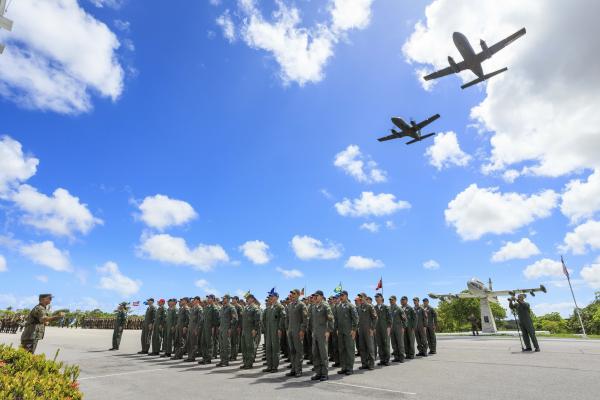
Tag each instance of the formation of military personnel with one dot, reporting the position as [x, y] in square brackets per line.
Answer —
[312, 328]
[11, 324]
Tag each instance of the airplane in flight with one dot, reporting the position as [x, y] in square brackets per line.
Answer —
[486, 295]
[472, 60]
[4, 22]
[413, 130]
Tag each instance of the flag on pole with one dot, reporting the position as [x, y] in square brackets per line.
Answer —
[565, 270]
[272, 292]
[338, 289]
[302, 292]
[379, 284]
[135, 304]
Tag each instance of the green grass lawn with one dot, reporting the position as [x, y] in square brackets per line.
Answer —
[567, 335]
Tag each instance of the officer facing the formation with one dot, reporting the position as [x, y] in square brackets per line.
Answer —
[158, 328]
[523, 312]
[346, 323]
[250, 328]
[430, 326]
[367, 320]
[397, 336]
[147, 326]
[382, 330]
[120, 321]
[409, 328]
[170, 324]
[274, 327]
[420, 321]
[297, 322]
[322, 325]
[227, 322]
[35, 325]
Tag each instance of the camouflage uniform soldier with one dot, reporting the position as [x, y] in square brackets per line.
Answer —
[35, 325]
[274, 328]
[523, 311]
[308, 354]
[236, 334]
[147, 327]
[227, 323]
[421, 336]
[158, 331]
[346, 322]
[382, 330]
[183, 319]
[409, 328]
[209, 329]
[322, 324]
[250, 330]
[398, 321]
[333, 338]
[194, 325]
[430, 326]
[120, 321]
[367, 320]
[170, 324]
[297, 321]
[216, 338]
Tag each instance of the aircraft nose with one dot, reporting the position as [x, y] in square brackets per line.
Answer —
[458, 37]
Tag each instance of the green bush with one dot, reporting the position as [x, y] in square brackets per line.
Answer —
[24, 376]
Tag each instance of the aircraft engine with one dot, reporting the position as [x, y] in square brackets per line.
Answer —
[484, 48]
[453, 64]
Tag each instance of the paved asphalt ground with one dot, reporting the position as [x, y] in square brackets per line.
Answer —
[464, 368]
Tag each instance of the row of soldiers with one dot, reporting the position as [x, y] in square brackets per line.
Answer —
[11, 324]
[312, 328]
[108, 323]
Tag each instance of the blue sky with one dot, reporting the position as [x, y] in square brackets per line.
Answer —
[181, 131]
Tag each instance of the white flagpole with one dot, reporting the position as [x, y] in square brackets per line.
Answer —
[574, 301]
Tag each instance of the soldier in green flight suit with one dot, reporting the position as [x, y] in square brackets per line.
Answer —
[209, 329]
[274, 327]
[397, 336]
[194, 326]
[322, 326]
[383, 330]
[170, 324]
[523, 311]
[120, 321]
[227, 321]
[147, 326]
[236, 335]
[430, 326]
[216, 338]
[346, 323]
[183, 319]
[367, 320]
[296, 321]
[420, 322]
[409, 328]
[35, 325]
[250, 330]
[158, 331]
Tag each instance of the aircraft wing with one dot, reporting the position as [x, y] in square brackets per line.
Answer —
[390, 137]
[460, 66]
[429, 120]
[451, 296]
[399, 122]
[514, 292]
[503, 43]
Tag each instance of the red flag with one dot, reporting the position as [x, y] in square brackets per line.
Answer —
[379, 284]
[135, 303]
[565, 270]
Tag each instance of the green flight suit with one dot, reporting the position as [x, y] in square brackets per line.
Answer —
[346, 321]
[382, 339]
[147, 328]
[297, 321]
[170, 324]
[120, 321]
[216, 337]
[322, 326]
[158, 329]
[34, 328]
[420, 334]
[274, 327]
[367, 320]
[183, 319]
[397, 336]
[194, 326]
[523, 311]
[209, 330]
[409, 331]
[236, 334]
[430, 328]
[250, 323]
[227, 321]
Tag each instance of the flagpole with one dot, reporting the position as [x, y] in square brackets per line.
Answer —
[381, 279]
[573, 294]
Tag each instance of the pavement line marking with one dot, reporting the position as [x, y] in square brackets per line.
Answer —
[121, 373]
[372, 388]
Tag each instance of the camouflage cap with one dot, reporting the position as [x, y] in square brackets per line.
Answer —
[378, 295]
[226, 296]
[404, 298]
[124, 304]
[362, 294]
[295, 291]
[415, 299]
[392, 297]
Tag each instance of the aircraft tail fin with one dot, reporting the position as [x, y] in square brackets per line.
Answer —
[484, 78]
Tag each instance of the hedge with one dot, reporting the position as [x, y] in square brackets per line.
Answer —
[24, 376]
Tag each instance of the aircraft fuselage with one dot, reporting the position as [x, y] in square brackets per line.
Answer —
[468, 54]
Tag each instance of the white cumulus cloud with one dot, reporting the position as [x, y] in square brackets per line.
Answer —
[591, 274]
[46, 254]
[544, 267]
[3, 267]
[289, 273]
[371, 205]
[362, 263]
[522, 249]
[256, 251]
[445, 151]
[309, 248]
[226, 23]
[431, 264]
[478, 211]
[584, 236]
[113, 279]
[162, 212]
[354, 163]
[580, 199]
[370, 226]
[15, 166]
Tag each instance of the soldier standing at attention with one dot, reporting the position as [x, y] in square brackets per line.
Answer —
[308, 354]
[158, 330]
[193, 329]
[170, 323]
[181, 329]
[35, 324]
[430, 326]
[216, 339]
[297, 321]
[334, 349]
[420, 321]
[346, 323]
[523, 311]
[227, 323]
[250, 330]
[382, 330]
[209, 329]
[409, 328]
[236, 336]
[147, 326]
[274, 327]
[120, 321]
[474, 328]
[367, 320]
[397, 336]
[322, 324]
